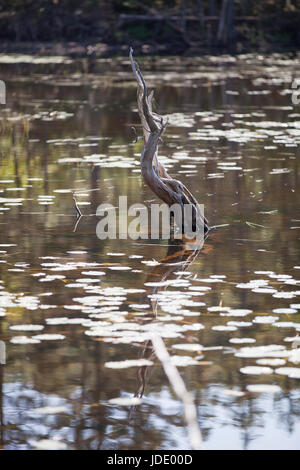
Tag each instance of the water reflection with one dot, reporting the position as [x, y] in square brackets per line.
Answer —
[239, 155]
[181, 253]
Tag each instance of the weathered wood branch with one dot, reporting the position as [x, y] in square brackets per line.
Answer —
[154, 174]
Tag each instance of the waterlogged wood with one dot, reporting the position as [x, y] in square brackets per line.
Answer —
[154, 174]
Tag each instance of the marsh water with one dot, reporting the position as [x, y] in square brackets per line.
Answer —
[75, 309]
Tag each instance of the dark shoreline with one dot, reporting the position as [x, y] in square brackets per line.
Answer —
[86, 49]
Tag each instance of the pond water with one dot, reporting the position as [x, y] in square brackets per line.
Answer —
[73, 308]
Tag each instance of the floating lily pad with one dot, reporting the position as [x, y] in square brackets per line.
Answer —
[291, 372]
[24, 340]
[128, 363]
[256, 370]
[49, 337]
[263, 388]
[27, 327]
[123, 401]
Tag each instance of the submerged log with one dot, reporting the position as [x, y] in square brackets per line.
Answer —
[168, 189]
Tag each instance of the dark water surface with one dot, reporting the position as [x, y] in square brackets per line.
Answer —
[233, 139]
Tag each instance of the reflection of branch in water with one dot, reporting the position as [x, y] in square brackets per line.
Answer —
[1, 409]
[179, 254]
[77, 223]
[78, 211]
[78, 214]
[178, 385]
[147, 352]
[2, 362]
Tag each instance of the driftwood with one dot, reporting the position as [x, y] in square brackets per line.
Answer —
[169, 190]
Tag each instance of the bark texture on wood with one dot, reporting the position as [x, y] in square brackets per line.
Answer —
[154, 174]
